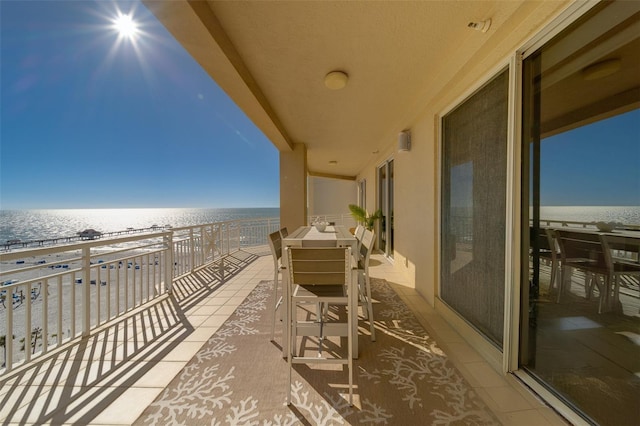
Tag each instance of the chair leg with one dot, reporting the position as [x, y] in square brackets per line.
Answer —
[561, 283]
[370, 308]
[288, 349]
[604, 292]
[276, 304]
[352, 304]
[554, 272]
[364, 296]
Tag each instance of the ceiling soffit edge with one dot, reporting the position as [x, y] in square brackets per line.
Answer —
[213, 26]
[331, 176]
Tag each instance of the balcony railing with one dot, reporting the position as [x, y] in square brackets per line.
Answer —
[52, 295]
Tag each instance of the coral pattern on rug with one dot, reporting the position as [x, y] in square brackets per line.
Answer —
[239, 377]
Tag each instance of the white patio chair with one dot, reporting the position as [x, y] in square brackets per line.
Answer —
[275, 244]
[364, 282]
[320, 275]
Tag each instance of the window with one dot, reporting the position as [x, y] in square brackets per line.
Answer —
[385, 204]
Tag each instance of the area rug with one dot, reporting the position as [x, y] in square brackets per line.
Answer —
[240, 378]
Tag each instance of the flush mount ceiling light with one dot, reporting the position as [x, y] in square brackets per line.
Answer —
[601, 69]
[482, 26]
[336, 80]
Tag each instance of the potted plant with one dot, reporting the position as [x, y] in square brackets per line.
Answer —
[363, 217]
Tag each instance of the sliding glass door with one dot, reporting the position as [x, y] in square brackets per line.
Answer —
[580, 326]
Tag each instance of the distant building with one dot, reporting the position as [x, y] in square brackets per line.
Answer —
[89, 234]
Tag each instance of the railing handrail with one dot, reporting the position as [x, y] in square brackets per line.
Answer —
[45, 251]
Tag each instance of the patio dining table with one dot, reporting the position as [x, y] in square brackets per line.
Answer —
[310, 236]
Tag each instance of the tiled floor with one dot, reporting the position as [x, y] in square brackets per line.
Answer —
[110, 378]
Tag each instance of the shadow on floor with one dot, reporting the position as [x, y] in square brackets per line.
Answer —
[76, 382]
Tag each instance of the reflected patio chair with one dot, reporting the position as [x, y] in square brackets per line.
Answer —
[626, 264]
[584, 251]
[284, 232]
[275, 244]
[320, 275]
[548, 250]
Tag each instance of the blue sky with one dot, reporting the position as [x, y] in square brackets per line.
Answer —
[91, 120]
[596, 164]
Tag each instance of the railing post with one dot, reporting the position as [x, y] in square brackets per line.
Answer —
[192, 248]
[86, 291]
[228, 238]
[168, 268]
[204, 243]
[8, 338]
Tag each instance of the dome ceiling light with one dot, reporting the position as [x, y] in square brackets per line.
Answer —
[601, 69]
[336, 80]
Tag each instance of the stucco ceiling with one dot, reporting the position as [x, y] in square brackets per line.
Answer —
[272, 57]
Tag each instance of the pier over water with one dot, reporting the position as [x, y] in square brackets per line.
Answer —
[80, 236]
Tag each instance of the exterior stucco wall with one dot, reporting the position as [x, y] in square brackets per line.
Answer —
[331, 196]
[416, 186]
[293, 187]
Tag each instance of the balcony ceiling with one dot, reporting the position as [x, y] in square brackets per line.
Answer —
[271, 59]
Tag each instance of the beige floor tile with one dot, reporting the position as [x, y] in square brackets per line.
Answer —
[196, 320]
[236, 300]
[462, 352]
[225, 310]
[552, 417]
[183, 352]
[20, 396]
[214, 301]
[507, 399]
[201, 334]
[485, 376]
[523, 418]
[128, 407]
[215, 321]
[207, 310]
[160, 374]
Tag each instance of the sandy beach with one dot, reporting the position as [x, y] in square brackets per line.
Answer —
[54, 293]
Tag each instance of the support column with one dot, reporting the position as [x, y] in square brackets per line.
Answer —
[293, 187]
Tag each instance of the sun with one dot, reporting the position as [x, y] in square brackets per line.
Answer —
[126, 26]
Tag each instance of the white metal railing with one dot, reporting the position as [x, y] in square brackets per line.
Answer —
[338, 219]
[557, 223]
[51, 295]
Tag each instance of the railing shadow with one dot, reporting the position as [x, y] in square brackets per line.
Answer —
[76, 382]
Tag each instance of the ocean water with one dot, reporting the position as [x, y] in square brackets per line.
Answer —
[28, 225]
[628, 215]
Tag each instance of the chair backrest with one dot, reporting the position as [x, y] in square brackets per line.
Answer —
[319, 243]
[628, 249]
[319, 265]
[365, 249]
[581, 246]
[544, 240]
[284, 232]
[275, 244]
[359, 234]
